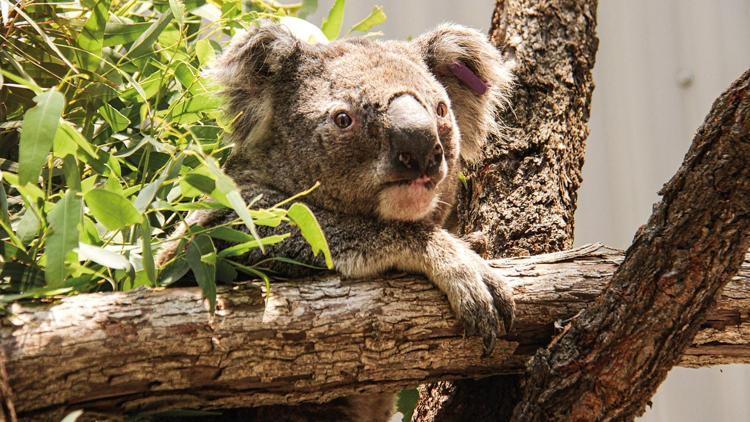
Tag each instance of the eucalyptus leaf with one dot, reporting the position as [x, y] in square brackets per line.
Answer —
[203, 269]
[72, 175]
[203, 183]
[39, 127]
[4, 216]
[63, 219]
[246, 247]
[231, 194]
[376, 17]
[332, 24]
[229, 234]
[102, 257]
[116, 120]
[308, 225]
[28, 227]
[204, 51]
[173, 272]
[118, 33]
[111, 209]
[145, 42]
[91, 38]
[178, 10]
[146, 252]
[67, 140]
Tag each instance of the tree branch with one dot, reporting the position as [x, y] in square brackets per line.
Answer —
[312, 340]
[611, 359]
[522, 195]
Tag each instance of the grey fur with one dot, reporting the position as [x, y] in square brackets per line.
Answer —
[285, 93]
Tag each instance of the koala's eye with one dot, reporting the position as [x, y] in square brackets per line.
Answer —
[442, 109]
[342, 119]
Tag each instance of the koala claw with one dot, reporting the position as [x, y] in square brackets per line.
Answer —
[485, 306]
[503, 298]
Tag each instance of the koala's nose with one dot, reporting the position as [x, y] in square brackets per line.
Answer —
[415, 149]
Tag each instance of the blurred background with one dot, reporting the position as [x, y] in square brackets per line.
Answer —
[660, 66]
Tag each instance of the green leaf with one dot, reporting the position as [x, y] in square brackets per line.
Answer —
[203, 183]
[208, 12]
[31, 193]
[228, 189]
[195, 104]
[269, 218]
[116, 120]
[376, 17]
[4, 216]
[89, 234]
[72, 175]
[332, 24]
[111, 209]
[147, 39]
[28, 227]
[246, 247]
[308, 8]
[308, 225]
[63, 220]
[91, 38]
[204, 51]
[173, 272]
[68, 139]
[147, 194]
[185, 74]
[39, 127]
[229, 234]
[225, 272]
[50, 43]
[178, 10]
[146, 252]
[117, 33]
[199, 253]
[102, 257]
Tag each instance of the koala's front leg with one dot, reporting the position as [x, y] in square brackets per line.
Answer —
[479, 298]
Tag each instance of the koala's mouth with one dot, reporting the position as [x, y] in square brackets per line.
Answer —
[408, 200]
[426, 182]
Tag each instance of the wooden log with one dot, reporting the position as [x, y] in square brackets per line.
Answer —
[311, 340]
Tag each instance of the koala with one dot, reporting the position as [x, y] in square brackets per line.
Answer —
[384, 127]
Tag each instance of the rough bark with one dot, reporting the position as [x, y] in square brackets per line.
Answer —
[522, 195]
[610, 359]
[313, 340]
[7, 409]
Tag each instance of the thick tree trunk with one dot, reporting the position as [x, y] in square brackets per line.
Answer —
[7, 408]
[522, 195]
[610, 359]
[314, 340]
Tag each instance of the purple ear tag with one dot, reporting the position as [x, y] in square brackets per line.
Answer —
[468, 77]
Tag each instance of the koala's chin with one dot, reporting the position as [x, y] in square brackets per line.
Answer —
[408, 202]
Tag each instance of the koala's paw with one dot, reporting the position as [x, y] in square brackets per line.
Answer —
[482, 301]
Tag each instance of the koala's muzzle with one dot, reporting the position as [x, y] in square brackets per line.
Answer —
[415, 148]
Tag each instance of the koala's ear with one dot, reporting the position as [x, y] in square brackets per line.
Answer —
[477, 79]
[247, 69]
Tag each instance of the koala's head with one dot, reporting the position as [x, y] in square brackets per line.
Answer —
[381, 124]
